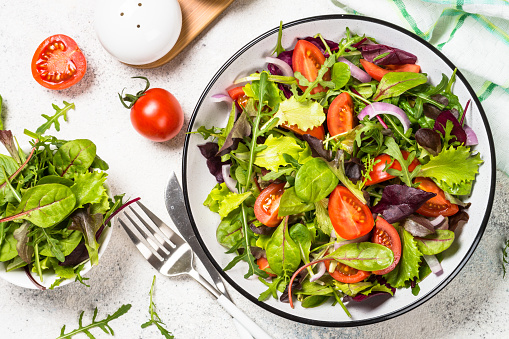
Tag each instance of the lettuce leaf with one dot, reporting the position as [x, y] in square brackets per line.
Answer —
[306, 115]
[221, 200]
[454, 169]
[408, 266]
[272, 158]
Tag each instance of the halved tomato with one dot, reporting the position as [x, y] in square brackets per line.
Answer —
[385, 234]
[377, 72]
[263, 264]
[378, 174]
[340, 114]
[346, 274]
[266, 206]
[438, 205]
[349, 216]
[58, 63]
[317, 132]
[307, 59]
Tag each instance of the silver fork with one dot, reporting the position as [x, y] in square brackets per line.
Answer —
[171, 255]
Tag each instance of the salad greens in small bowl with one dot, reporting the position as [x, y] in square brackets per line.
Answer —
[55, 208]
[350, 177]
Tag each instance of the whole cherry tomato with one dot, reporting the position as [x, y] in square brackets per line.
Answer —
[58, 63]
[155, 113]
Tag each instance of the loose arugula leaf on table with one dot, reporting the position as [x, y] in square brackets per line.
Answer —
[102, 324]
[53, 120]
[154, 318]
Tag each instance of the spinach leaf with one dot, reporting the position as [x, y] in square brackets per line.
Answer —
[364, 256]
[340, 74]
[303, 238]
[100, 164]
[397, 83]
[315, 181]
[8, 249]
[44, 205]
[55, 179]
[229, 231]
[283, 254]
[435, 243]
[75, 156]
[314, 301]
[290, 203]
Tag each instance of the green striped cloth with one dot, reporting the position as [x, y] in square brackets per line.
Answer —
[474, 34]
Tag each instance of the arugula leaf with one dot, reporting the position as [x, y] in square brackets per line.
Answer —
[394, 151]
[273, 288]
[60, 112]
[154, 318]
[408, 266]
[279, 48]
[453, 168]
[102, 324]
[305, 114]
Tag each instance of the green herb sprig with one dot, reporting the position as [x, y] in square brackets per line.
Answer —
[154, 318]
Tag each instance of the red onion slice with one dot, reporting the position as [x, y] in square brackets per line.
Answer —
[283, 66]
[356, 72]
[321, 271]
[471, 136]
[433, 264]
[229, 181]
[437, 221]
[221, 98]
[377, 108]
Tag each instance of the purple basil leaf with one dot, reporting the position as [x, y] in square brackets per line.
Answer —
[209, 149]
[317, 147]
[457, 130]
[214, 164]
[400, 201]
[395, 56]
[429, 140]
[354, 169]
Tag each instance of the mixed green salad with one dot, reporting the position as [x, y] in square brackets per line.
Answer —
[54, 203]
[341, 171]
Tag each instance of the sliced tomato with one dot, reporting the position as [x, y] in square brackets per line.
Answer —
[238, 94]
[307, 59]
[263, 264]
[317, 132]
[378, 174]
[266, 206]
[377, 72]
[349, 216]
[385, 234]
[438, 205]
[340, 114]
[346, 274]
[58, 63]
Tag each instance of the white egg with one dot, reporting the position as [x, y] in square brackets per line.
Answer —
[138, 32]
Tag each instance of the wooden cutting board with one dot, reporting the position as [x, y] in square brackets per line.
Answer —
[196, 15]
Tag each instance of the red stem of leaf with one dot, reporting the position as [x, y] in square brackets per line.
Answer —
[29, 275]
[382, 122]
[295, 275]
[464, 112]
[100, 230]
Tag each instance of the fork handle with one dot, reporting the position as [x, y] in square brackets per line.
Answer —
[249, 324]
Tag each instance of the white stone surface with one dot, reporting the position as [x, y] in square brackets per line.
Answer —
[473, 305]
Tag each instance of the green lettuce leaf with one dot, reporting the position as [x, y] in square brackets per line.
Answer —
[408, 266]
[271, 157]
[271, 95]
[306, 115]
[221, 200]
[89, 187]
[454, 169]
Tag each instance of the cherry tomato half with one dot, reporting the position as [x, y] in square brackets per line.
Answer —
[349, 216]
[317, 132]
[340, 114]
[385, 234]
[378, 174]
[238, 94]
[377, 72]
[263, 264]
[346, 274]
[438, 205]
[58, 63]
[308, 59]
[266, 206]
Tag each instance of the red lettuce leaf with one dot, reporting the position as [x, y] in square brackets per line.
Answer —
[457, 130]
[400, 201]
[395, 56]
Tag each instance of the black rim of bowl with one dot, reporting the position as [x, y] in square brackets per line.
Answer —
[350, 323]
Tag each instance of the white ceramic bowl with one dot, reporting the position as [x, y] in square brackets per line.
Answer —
[20, 278]
[197, 181]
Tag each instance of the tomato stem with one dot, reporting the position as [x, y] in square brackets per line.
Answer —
[130, 98]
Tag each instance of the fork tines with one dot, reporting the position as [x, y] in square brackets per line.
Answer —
[146, 232]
